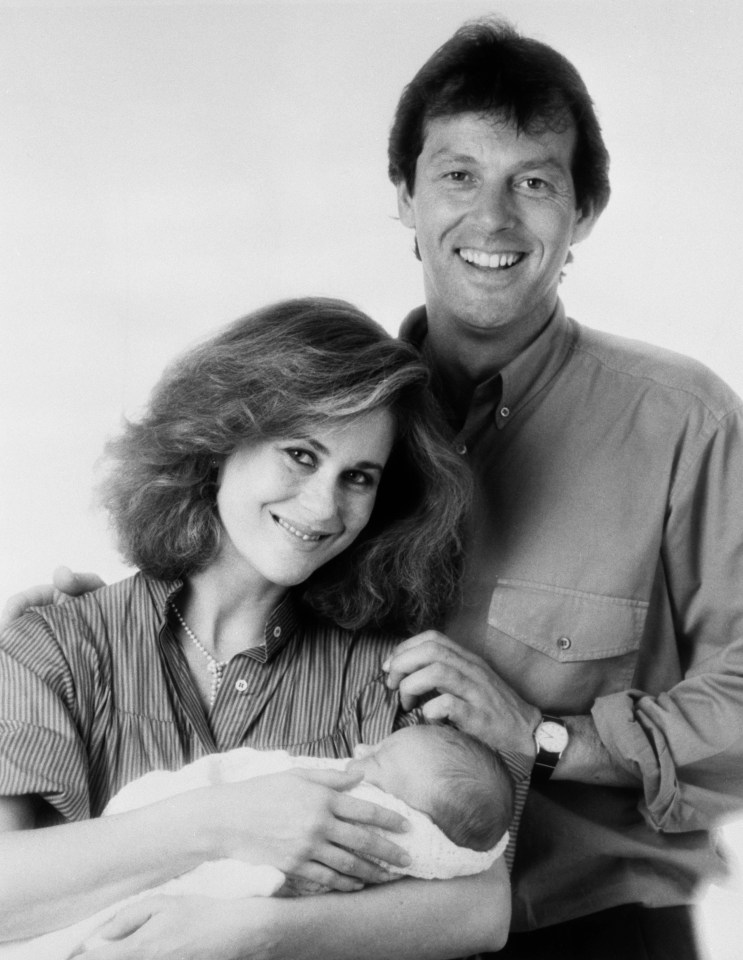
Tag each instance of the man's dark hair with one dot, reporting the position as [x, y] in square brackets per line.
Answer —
[487, 67]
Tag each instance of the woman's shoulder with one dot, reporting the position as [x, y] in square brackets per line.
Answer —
[357, 645]
[97, 616]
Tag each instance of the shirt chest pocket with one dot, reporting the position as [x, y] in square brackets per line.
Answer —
[561, 649]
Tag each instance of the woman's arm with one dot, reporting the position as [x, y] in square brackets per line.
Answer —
[54, 875]
[296, 821]
[408, 920]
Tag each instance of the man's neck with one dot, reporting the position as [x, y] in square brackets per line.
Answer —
[464, 360]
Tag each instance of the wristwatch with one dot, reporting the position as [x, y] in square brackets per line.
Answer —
[551, 737]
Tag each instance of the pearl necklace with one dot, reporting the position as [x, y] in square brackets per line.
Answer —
[214, 666]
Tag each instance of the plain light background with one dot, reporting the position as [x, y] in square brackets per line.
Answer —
[166, 167]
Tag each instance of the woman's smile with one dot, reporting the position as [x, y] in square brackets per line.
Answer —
[290, 504]
[297, 531]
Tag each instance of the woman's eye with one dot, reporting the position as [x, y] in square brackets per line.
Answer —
[358, 478]
[304, 457]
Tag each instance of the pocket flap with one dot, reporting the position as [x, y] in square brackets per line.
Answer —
[567, 625]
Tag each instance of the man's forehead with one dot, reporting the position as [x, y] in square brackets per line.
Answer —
[465, 131]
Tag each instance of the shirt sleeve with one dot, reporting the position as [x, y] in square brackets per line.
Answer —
[42, 752]
[686, 742]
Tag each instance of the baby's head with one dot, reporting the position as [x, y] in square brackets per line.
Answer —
[460, 783]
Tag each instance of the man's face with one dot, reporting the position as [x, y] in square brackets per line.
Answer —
[494, 213]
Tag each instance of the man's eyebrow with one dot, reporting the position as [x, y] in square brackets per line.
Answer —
[552, 163]
[445, 153]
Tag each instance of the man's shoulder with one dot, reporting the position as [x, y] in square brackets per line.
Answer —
[669, 371]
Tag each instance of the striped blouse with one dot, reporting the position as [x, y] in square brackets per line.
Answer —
[97, 692]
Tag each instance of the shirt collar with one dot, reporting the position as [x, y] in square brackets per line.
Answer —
[282, 623]
[521, 379]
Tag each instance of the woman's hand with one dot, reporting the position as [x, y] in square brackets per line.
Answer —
[185, 928]
[304, 823]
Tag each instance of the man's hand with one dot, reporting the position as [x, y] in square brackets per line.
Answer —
[468, 692]
[186, 928]
[66, 584]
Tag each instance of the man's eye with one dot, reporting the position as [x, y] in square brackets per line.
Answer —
[535, 183]
[457, 176]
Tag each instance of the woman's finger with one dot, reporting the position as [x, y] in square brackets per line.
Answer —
[366, 843]
[354, 810]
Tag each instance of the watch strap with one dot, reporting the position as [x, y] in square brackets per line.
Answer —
[546, 760]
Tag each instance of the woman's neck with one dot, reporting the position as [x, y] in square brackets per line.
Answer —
[225, 612]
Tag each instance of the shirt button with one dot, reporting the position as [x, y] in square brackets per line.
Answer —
[277, 631]
[564, 643]
[505, 412]
[241, 686]
[461, 449]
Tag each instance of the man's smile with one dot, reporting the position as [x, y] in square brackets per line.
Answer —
[492, 261]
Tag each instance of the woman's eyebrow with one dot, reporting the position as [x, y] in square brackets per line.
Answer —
[359, 465]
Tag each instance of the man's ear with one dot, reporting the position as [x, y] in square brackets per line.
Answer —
[584, 224]
[405, 205]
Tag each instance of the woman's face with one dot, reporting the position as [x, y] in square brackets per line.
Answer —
[289, 505]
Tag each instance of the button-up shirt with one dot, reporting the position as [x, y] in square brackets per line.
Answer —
[97, 692]
[605, 576]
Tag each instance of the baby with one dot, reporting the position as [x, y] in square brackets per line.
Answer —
[455, 793]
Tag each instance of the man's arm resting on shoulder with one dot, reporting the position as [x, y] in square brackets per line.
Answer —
[66, 584]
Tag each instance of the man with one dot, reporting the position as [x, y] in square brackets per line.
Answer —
[600, 632]
[600, 623]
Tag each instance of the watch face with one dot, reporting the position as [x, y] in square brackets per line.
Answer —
[551, 736]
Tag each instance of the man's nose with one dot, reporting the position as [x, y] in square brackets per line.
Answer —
[495, 208]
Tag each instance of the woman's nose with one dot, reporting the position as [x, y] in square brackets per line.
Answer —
[321, 498]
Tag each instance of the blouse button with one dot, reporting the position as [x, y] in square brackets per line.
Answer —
[564, 643]
[277, 631]
[461, 449]
[505, 412]
[241, 686]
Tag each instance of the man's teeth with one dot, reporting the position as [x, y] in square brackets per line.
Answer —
[297, 533]
[492, 260]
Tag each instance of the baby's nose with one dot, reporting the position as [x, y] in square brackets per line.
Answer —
[362, 750]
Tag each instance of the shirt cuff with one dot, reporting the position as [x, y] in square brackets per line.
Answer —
[638, 747]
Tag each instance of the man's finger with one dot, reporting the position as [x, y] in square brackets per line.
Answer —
[74, 584]
[19, 603]
[416, 658]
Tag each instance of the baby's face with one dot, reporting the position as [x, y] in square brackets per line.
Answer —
[403, 764]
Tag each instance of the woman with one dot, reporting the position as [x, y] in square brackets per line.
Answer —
[286, 487]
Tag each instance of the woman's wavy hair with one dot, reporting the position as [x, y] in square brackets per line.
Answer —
[278, 372]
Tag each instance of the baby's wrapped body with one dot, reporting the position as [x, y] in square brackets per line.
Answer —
[433, 855]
